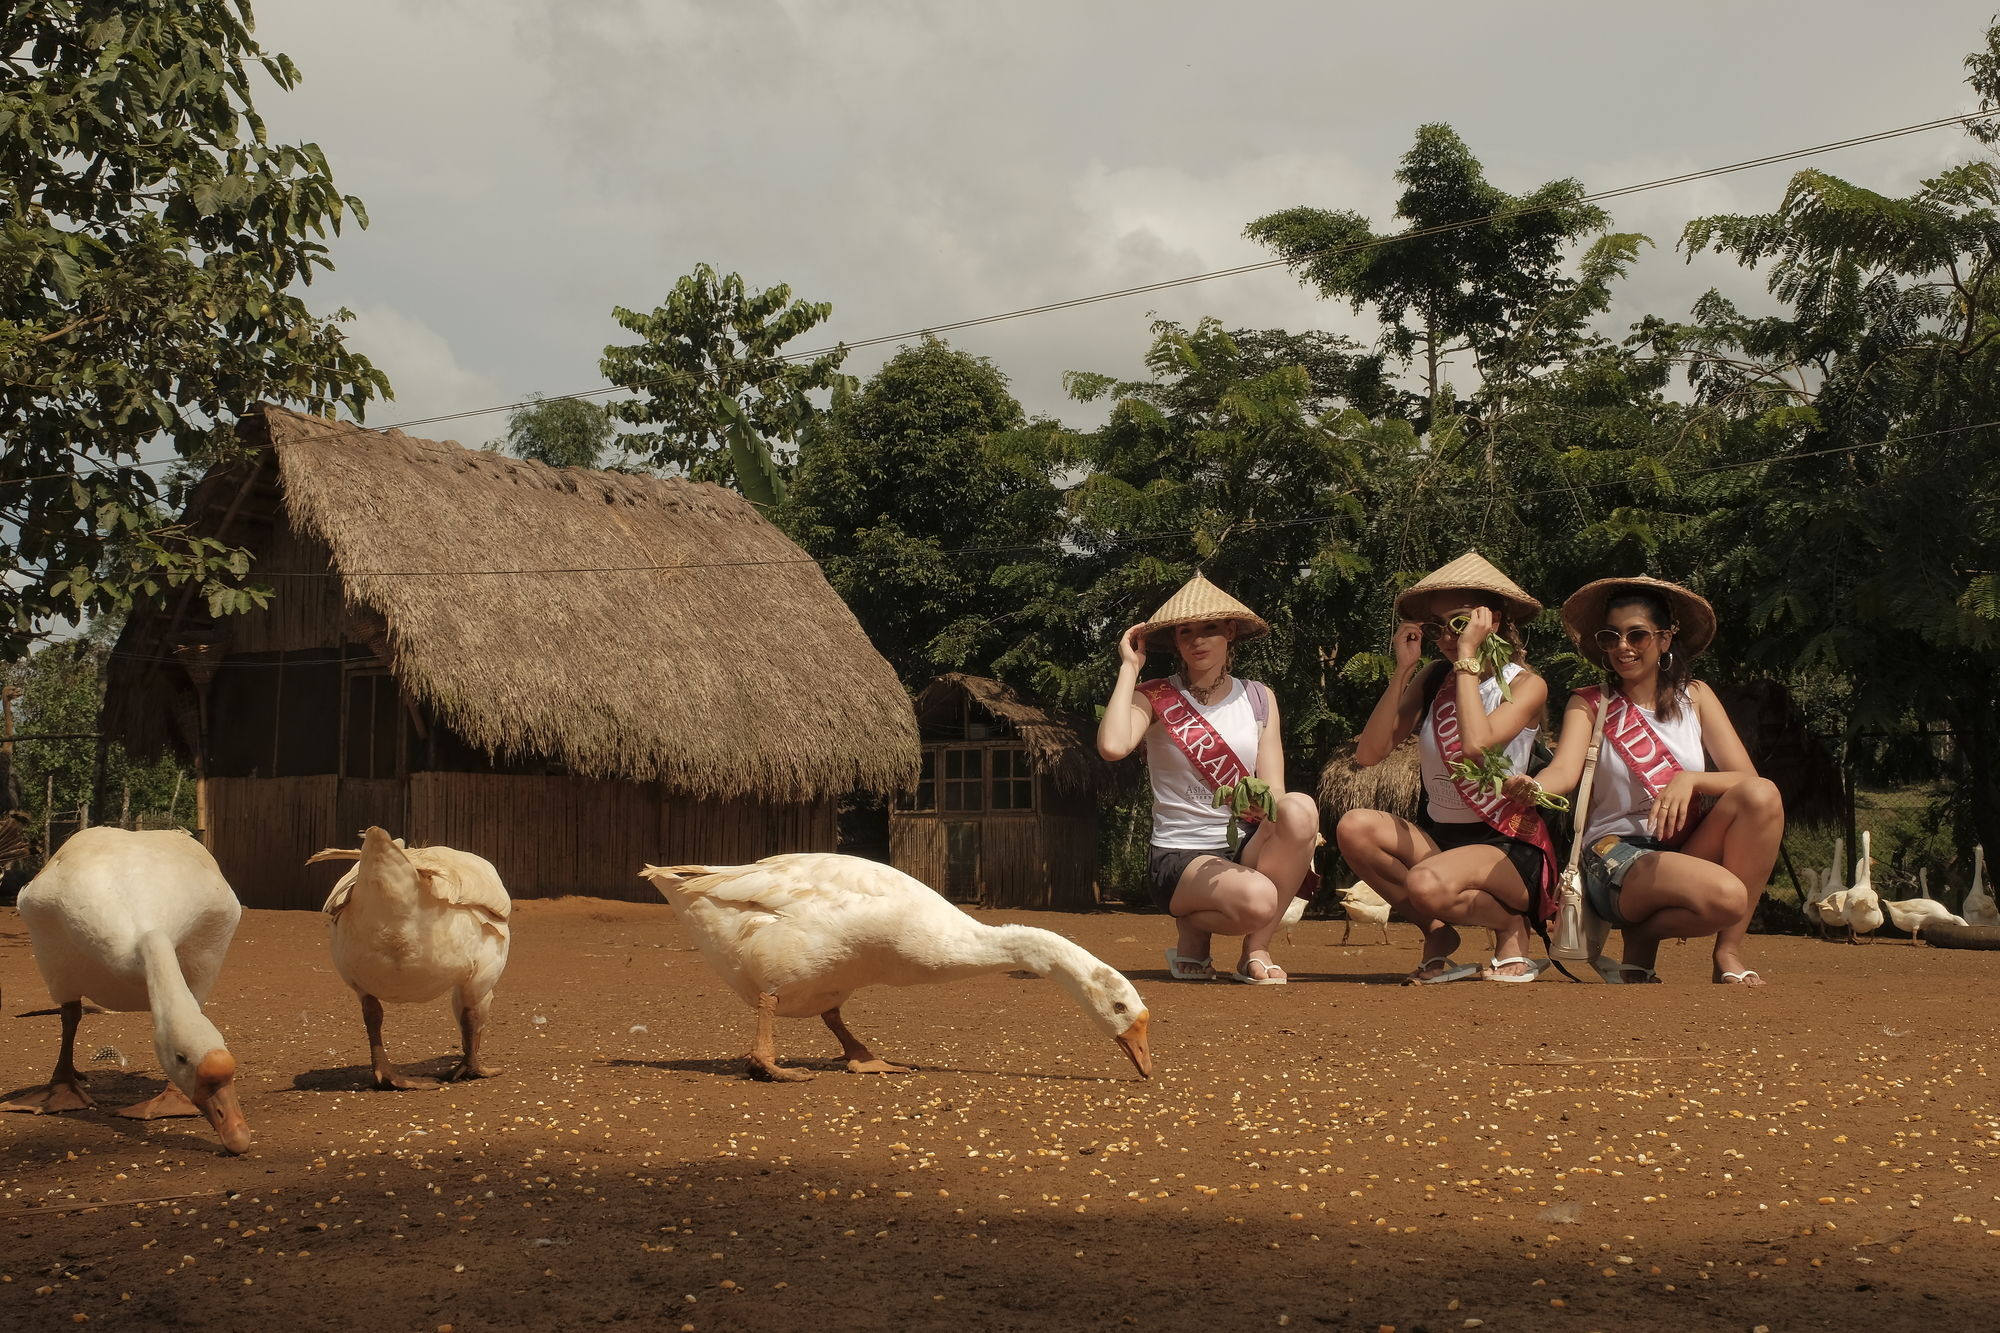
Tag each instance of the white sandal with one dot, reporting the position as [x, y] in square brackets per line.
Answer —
[1452, 972]
[1535, 966]
[1181, 968]
[1614, 974]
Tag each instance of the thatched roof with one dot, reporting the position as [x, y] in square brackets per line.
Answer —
[624, 626]
[1395, 785]
[1060, 745]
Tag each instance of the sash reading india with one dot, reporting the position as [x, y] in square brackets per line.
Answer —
[1627, 731]
[1194, 736]
[1508, 818]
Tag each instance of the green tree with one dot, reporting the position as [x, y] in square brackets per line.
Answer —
[1444, 289]
[562, 432]
[929, 499]
[715, 382]
[151, 241]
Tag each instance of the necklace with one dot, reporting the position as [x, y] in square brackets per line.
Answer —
[1208, 694]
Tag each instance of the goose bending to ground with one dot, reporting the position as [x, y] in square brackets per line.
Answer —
[1913, 914]
[795, 935]
[138, 920]
[1363, 904]
[410, 923]
[1825, 884]
[1979, 908]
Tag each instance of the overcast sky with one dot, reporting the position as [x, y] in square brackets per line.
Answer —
[528, 164]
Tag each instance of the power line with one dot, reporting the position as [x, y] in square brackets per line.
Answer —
[1769, 159]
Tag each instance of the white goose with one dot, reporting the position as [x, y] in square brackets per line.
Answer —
[138, 921]
[1860, 905]
[408, 924]
[1914, 914]
[1363, 904]
[795, 935]
[1822, 886]
[1979, 908]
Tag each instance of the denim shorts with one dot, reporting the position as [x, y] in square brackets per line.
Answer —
[1605, 864]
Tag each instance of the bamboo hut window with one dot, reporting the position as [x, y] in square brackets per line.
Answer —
[964, 780]
[925, 798]
[1013, 781]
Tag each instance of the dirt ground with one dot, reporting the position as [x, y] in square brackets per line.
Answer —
[1341, 1152]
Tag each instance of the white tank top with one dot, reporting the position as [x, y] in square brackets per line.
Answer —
[1184, 813]
[1441, 796]
[1618, 800]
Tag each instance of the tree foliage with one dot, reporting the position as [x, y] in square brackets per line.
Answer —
[714, 382]
[152, 239]
[562, 432]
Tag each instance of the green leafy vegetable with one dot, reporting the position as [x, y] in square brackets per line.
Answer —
[1494, 654]
[1242, 797]
[1490, 771]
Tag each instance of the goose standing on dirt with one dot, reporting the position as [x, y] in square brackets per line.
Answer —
[1979, 908]
[410, 923]
[1361, 903]
[795, 935]
[1914, 914]
[138, 920]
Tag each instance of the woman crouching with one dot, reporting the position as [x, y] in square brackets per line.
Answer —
[1674, 847]
[1204, 729]
[1474, 858]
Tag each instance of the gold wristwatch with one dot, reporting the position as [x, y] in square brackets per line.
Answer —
[1469, 665]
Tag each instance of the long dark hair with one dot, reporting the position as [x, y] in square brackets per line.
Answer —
[1676, 670]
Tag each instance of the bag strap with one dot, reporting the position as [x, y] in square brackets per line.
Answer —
[1581, 817]
[1260, 701]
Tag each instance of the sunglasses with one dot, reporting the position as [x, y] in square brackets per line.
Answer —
[1441, 629]
[1636, 638]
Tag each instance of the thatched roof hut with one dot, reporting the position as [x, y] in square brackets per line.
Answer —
[529, 620]
[1004, 812]
[1061, 746]
[1395, 785]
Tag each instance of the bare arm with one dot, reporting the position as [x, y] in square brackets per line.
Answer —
[1271, 751]
[1129, 713]
[1566, 769]
[1479, 729]
[1673, 807]
[1402, 702]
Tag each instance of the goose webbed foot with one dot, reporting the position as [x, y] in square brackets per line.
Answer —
[389, 1079]
[762, 1062]
[766, 1069]
[53, 1097]
[471, 1068]
[860, 1060]
[169, 1104]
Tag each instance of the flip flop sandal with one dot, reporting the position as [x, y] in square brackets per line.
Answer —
[1616, 974]
[1181, 968]
[1739, 978]
[1452, 972]
[1535, 966]
[1283, 978]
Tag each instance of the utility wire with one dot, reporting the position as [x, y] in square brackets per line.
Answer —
[1440, 229]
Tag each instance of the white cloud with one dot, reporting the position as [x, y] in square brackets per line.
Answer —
[424, 372]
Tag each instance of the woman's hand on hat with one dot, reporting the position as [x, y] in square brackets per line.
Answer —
[1132, 646]
[1407, 643]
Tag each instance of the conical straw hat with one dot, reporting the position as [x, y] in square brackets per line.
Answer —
[1200, 600]
[1583, 613]
[1473, 573]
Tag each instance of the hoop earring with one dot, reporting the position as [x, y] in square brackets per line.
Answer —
[1666, 659]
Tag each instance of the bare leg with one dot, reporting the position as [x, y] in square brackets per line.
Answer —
[1475, 886]
[860, 1060]
[386, 1077]
[1382, 848]
[1281, 852]
[471, 1031]
[1220, 897]
[763, 1057]
[1742, 834]
[1671, 895]
[65, 1090]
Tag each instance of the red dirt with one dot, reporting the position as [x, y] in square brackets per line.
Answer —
[1338, 1153]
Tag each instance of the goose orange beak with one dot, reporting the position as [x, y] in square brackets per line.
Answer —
[1133, 1042]
[216, 1096]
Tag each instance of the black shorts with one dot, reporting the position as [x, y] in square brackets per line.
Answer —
[1166, 865]
[1527, 858]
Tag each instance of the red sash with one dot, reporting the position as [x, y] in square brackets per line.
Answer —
[1511, 819]
[1627, 731]
[1196, 737]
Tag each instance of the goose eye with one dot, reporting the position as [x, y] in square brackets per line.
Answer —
[1118, 1008]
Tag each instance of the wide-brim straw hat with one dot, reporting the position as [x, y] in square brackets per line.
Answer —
[1584, 612]
[1471, 572]
[1199, 600]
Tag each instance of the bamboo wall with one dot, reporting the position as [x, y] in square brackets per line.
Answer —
[1027, 861]
[546, 836]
